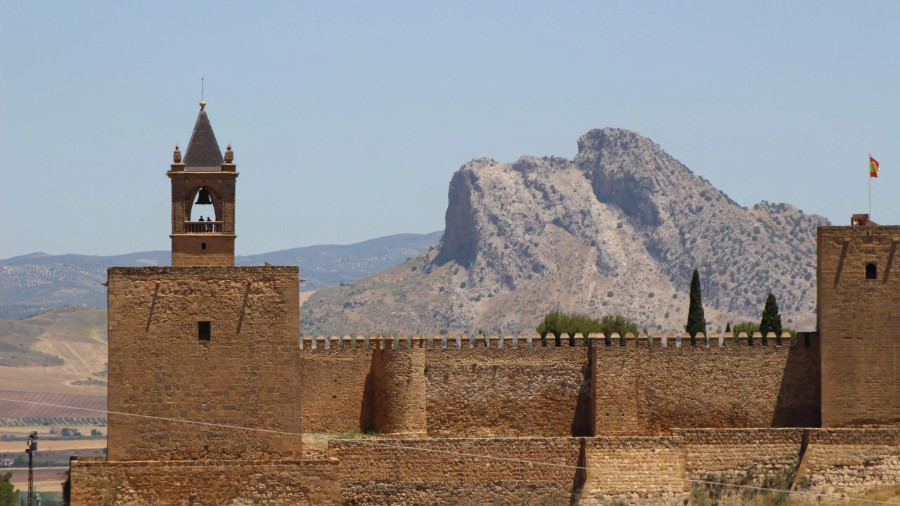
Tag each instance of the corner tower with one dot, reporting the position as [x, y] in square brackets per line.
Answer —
[203, 177]
[859, 323]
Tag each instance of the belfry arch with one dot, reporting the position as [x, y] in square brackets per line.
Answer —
[195, 208]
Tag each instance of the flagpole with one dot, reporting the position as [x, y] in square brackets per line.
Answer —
[870, 186]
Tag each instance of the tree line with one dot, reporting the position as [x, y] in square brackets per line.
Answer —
[558, 322]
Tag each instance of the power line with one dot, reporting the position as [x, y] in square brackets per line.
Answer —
[465, 454]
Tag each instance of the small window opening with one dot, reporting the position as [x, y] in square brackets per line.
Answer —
[871, 271]
[204, 332]
[202, 245]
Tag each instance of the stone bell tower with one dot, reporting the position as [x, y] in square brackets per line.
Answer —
[204, 177]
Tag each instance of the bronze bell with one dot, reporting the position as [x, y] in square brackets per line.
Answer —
[203, 197]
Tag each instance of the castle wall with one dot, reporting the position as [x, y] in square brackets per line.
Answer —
[481, 389]
[245, 375]
[850, 460]
[337, 387]
[512, 391]
[745, 456]
[402, 473]
[858, 323]
[649, 468]
[96, 482]
[643, 388]
[630, 470]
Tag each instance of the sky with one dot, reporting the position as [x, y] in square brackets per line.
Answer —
[348, 119]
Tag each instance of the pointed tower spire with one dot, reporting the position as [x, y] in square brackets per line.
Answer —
[203, 153]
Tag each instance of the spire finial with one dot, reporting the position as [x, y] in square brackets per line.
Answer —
[202, 102]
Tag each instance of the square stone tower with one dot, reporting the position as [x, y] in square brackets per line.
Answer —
[202, 348]
[859, 324]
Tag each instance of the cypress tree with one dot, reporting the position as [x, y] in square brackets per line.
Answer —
[728, 327]
[696, 322]
[771, 320]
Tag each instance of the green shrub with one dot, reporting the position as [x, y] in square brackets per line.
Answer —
[558, 322]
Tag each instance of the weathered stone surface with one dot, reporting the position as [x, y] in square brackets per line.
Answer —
[244, 375]
[448, 471]
[850, 461]
[859, 326]
[660, 470]
[627, 388]
[96, 482]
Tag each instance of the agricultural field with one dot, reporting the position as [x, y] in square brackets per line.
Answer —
[72, 446]
[44, 430]
[19, 409]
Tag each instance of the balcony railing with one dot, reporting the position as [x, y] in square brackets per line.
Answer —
[203, 227]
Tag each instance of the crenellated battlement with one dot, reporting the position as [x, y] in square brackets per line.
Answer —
[450, 385]
[595, 340]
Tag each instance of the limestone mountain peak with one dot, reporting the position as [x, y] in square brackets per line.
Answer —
[617, 229]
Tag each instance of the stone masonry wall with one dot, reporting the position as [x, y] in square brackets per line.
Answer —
[645, 388]
[622, 469]
[858, 322]
[474, 390]
[740, 455]
[402, 473]
[337, 387]
[209, 250]
[96, 482]
[849, 461]
[246, 374]
[513, 391]
[640, 470]
[399, 400]
[474, 387]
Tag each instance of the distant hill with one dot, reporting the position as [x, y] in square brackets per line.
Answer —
[60, 351]
[34, 283]
[618, 229]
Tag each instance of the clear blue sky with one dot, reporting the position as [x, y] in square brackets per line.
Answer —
[349, 118]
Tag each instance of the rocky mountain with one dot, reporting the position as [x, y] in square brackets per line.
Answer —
[618, 229]
[31, 284]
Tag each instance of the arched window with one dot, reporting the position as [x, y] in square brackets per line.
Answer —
[198, 208]
[871, 271]
[202, 212]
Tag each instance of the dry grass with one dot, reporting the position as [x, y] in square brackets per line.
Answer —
[890, 494]
[737, 498]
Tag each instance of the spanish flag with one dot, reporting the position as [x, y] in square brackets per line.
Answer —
[873, 167]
